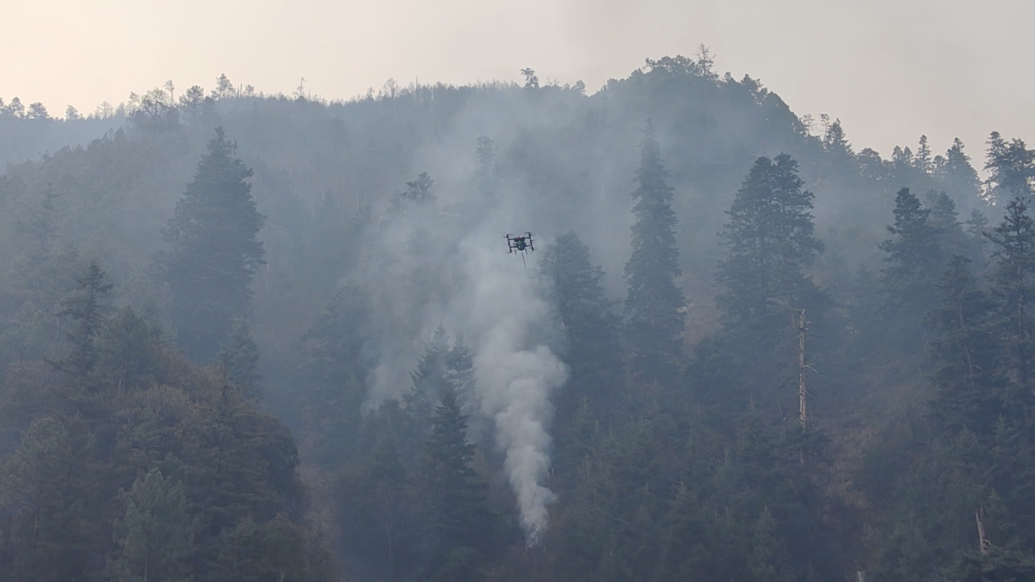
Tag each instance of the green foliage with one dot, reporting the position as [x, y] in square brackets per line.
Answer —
[653, 307]
[699, 479]
[769, 241]
[958, 173]
[45, 495]
[239, 360]
[86, 309]
[965, 353]
[593, 349]
[155, 534]
[214, 250]
[913, 255]
[458, 521]
[1011, 168]
[1013, 277]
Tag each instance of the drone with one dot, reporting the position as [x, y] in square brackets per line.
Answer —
[520, 244]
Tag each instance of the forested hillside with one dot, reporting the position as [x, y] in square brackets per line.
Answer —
[251, 337]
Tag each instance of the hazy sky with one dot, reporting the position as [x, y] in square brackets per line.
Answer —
[890, 70]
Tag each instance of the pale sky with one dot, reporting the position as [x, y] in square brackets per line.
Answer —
[889, 69]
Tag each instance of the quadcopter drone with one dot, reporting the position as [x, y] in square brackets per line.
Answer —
[520, 244]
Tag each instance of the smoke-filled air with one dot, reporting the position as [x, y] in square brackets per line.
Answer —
[672, 326]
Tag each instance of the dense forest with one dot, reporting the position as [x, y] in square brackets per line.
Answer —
[249, 337]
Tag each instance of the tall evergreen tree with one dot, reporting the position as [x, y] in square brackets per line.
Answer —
[914, 259]
[86, 308]
[769, 241]
[428, 378]
[836, 141]
[339, 353]
[944, 219]
[457, 515]
[155, 534]
[130, 353]
[1014, 286]
[239, 359]
[44, 490]
[1011, 168]
[459, 372]
[964, 352]
[214, 250]
[594, 352]
[653, 307]
[922, 160]
[959, 174]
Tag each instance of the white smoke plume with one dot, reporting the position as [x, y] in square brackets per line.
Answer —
[469, 284]
[515, 370]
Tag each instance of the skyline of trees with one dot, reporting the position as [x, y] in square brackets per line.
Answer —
[225, 397]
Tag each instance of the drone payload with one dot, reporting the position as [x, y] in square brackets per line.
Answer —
[521, 245]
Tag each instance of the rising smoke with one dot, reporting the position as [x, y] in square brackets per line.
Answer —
[515, 374]
[450, 266]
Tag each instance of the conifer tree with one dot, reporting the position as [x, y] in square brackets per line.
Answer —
[340, 354]
[913, 256]
[43, 490]
[239, 359]
[214, 251]
[836, 141]
[593, 342]
[459, 371]
[155, 534]
[965, 353]
[944, 219]
[1013, 280]
[959, 174]
[654, 304]
[1011, 168]
[130, 353]
[428, 378]
[922, 160]
[456, 511]
[86, 308]
[418, 193]
[769, 241]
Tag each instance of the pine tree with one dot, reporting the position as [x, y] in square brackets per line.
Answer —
[43, 490]
[86, 308]
[459, 371]
[214, 251]
[456, 510]
[959, 174]
[835, 140]
[944, 219]
[130, 353]
[340, 353]
[653, 307]
[428, 378]
[418, 193]
[594, 352]
[239, 359]
[1014, 286]
[922, 160]
[155, 534]
[1011, 168]
[769, 241]
[965, 353]
[913, 256]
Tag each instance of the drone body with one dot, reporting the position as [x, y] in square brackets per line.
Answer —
[520, 244]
